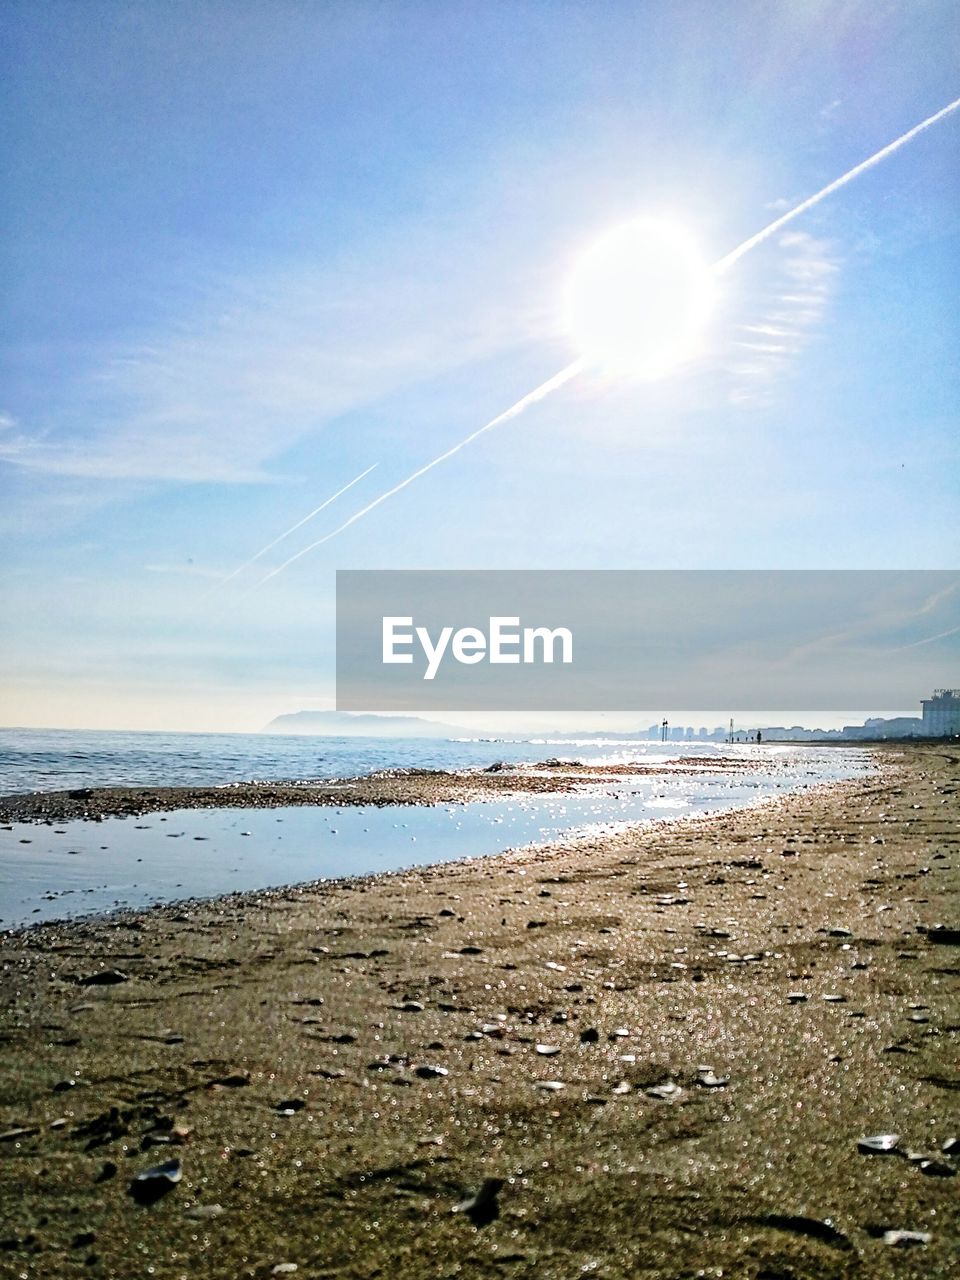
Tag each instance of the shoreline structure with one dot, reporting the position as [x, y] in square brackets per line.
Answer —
[665, 1044]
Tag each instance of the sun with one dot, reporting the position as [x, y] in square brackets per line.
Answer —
[638, 300]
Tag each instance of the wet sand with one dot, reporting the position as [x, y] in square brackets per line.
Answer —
[339, 1067]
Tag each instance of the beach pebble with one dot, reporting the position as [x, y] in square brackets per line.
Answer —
[151, 1184]
[427, 1072]
[951, 1147]
[482, 1208]
[284, 1269]
[550, 1086]
[668, 1091]
[290, 1106]
[411, 1006]
[104, 978]
[905, 1239]
[708, 1080]
[548, 1050]
[937, 1169]
[621, 1088]
[234, 1080]
[22, 1131]
[881, 1144]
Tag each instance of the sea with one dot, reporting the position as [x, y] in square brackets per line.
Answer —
[69, 869]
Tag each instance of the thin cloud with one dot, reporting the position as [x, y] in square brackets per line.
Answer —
[780, 324]
[262, 361]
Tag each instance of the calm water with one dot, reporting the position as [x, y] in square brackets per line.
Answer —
[52, 759]
[50, 872]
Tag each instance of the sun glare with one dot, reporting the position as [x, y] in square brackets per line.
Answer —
[637, 301]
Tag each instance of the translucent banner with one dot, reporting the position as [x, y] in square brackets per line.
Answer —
[626, 640]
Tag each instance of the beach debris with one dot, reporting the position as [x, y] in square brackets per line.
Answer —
[906, 1239]
[149, 1185]
[589, 1036]
[668, 1091]
[104, 978]
[944, 934]
[427, 1071]
[290, 1106]
[548, 1050]
[482, 1208]
[23, 1131]
[821, 1229]
[708, 1080]
[880, 1144]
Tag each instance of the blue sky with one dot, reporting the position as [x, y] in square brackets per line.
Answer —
[251, 249]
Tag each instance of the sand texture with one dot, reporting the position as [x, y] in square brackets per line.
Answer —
[664, 1045]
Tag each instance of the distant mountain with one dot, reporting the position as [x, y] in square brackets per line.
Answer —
[348, 724]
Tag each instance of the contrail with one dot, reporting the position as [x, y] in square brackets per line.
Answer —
[571, 371]
[300, 523]
[736, 254]
[531, 397]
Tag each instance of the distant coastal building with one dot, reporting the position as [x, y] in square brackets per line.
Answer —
[940, 719]
[941, 713]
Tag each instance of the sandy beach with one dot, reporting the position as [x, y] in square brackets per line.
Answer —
[653, 1054]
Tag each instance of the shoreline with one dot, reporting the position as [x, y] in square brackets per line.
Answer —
[404, 1012]
[242, 898]
[412, 786]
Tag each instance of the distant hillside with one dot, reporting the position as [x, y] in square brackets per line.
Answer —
[348, 724]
